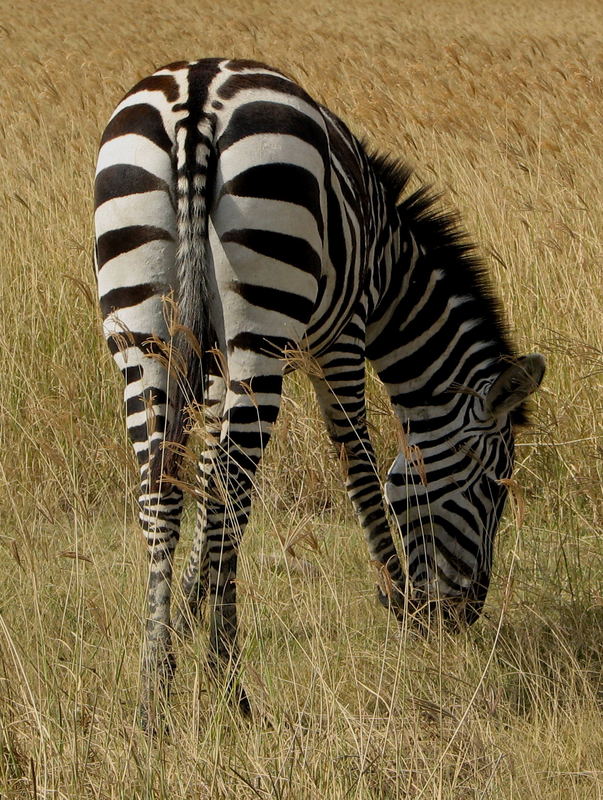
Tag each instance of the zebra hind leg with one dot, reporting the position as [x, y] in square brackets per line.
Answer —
[251, 409]
[160, 508]
[160, 520]
[194, 579]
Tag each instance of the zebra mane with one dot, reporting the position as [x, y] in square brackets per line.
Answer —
[440, 231]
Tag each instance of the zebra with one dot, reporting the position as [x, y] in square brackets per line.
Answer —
[239, 222]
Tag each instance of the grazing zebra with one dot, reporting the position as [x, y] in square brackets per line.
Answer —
[223, 185]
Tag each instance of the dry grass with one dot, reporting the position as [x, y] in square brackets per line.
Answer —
[499, 105]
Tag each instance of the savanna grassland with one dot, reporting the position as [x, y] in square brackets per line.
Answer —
[499, 106]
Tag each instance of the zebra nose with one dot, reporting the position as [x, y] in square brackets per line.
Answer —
[453, 614]
[428, 606]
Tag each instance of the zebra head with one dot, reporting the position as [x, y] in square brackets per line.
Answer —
[447, 489]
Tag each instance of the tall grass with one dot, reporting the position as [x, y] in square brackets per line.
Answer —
[500, 109]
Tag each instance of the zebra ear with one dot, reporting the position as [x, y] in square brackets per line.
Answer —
[513, 385]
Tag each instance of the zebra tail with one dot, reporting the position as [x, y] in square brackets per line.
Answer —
[191, 335]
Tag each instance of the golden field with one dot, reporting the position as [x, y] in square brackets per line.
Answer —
[499, 106]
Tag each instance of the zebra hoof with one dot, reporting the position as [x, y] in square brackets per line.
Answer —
[242, 701]
[388, 602]
[383, 599]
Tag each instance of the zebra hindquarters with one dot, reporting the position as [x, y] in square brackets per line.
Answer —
[135, 254]
[195, 574]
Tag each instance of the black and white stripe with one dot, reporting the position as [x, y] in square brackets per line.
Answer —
[222, 185]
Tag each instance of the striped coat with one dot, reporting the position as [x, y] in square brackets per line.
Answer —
[224, 191]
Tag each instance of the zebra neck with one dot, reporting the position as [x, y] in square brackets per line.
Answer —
[437, 338]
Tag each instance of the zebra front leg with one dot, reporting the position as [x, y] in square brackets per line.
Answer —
[194, 578]
[364, 490]
[160, 513]
[340, 392]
